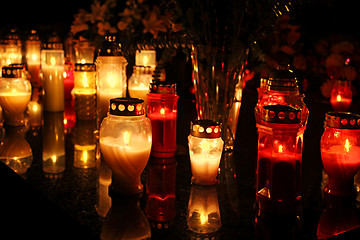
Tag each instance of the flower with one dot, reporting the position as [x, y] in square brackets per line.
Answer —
[154, 22]
[104, 27]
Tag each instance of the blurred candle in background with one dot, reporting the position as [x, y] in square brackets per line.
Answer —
[33, 47]
[68, 80]
[52, 67]
[146, 58]
[10, 48]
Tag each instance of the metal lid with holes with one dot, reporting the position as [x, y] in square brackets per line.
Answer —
[205, 129]
[282, 79]
[281, 114]
[13, 72]
[85, 67]
[110, 46]
[343, 120]
[127, 107]
[163, 87]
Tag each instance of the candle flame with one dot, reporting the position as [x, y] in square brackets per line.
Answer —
[205, 145]
[34, 57]
[83, 61]
[203, 218]
[13, 91]
[111, 81]
[35, 107]
[162, 111]
[53, 158]
[52, 61]
[126, 138]
[84, 156]
[145, 60]
[347, 145]
[281, 148]
[338, 98]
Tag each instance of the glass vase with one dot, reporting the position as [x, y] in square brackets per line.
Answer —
[217, 75]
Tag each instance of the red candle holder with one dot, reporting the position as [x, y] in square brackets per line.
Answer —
[340, 151]
[341, 95]
[279, 159]
[162, 111]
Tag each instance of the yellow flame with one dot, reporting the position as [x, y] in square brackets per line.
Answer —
[84, 156]
[347, 145]
[203, 218]
[281, 148]
[126, 138]
[205, 145]
[52, 61]
[35, 107]
[162, 111]
[34, 57]
[145, 60]
[53, 158]
[83, 61]
[338, 98]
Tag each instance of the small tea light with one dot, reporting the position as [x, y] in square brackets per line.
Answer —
[125, 143]
[341, 95]
[340, 151]
[146, 58]
[139, 83]
[205, 148]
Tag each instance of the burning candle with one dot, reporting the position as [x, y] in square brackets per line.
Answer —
[145, 58]
[279, 159]
[35, 114]
[139, 83]
[68, 80]
[33, 47]
[84, 52]
[205, 148]
[52, 67]
[53, 155]
[85, 91]
[111, 75]
[15, 94]
[340, 151]
[203, 215]
[162, 111]
[11, 49]
[341, 96]
[125, 143]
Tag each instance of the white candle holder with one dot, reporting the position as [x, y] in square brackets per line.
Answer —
[205, 148]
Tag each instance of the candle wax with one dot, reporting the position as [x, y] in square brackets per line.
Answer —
[14, 102]
[164, 134]
[341, 105]
[53, 88]
[204, 168]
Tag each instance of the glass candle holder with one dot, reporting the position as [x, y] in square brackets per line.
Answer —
[280, 139]
[340, 151]
[15, 94]
[68, 80]
[52, 67]
[162, 111]
[85, 91]
[146, 58]
[125, 143]
[110, 74]
[33, 48]
[84, 52]
[281, 89]
[205, 148]
[11, 49]
[341, 95]
[203, 215]
[139, 83]
[53, 152]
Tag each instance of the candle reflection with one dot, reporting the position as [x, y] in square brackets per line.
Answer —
[125, 220]
[338, 217]
[160, 191]
[15, 151]
[53, 143]
[203, 215]
[85, 144]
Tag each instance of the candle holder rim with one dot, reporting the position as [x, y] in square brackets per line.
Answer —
[342, 120]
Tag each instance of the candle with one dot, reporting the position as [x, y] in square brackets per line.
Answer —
[52, 67]
[84, 52]
[68, 80]
[340, 104]
[33, 47]
[15, 94]
[205, 148]
[341, 95]
[35, 114]
[125, 143]
[139, 83]
[162, 111]
[53, 143]
[11, 49]
[340, 151]
[145, 58]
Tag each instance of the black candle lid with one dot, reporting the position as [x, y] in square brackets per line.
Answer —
[343, 120]
[282, 79]
[85, 67]
[281, 114]
[163, 87]
[127, 107]
[204, 128]
[13, 72]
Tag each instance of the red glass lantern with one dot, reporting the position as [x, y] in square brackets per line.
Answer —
[68, 79]
[279, 159]
[341, 95]
[160, 191]
[162, 111]
[340, 151]
[281, 89]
